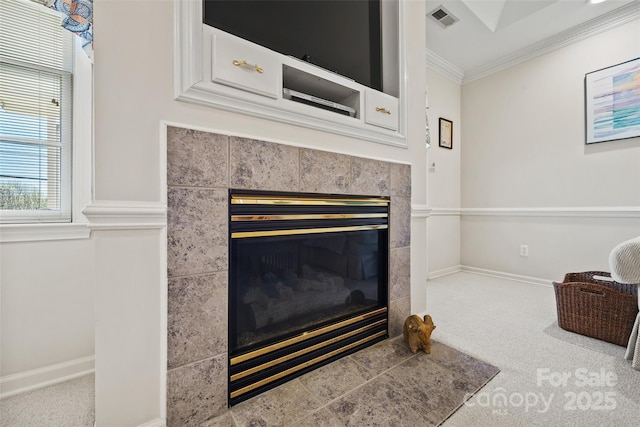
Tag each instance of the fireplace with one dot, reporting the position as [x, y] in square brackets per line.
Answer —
[308, 283]
[201, 168]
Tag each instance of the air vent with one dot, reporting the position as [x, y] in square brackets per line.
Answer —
[443, 17]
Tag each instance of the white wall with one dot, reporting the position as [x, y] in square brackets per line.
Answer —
[444, 189]
[133, 96]
[47, 287]
[47, 291]
[130, 306]
[524, 150]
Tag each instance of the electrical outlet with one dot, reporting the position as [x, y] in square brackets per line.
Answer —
[524, 250]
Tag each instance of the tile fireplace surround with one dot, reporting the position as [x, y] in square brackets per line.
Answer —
[201, 167]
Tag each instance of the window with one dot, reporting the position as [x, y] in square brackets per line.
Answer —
[36, 80]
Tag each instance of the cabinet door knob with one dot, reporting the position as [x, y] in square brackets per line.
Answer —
[382, 110]
[245, 64]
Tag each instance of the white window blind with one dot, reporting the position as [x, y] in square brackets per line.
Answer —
[36, 63]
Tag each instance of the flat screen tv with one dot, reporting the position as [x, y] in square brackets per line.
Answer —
[340, 36]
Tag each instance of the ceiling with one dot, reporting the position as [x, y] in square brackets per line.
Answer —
[493, 34]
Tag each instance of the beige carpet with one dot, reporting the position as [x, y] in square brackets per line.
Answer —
[628, 383]
[546, 378]
[68, 404]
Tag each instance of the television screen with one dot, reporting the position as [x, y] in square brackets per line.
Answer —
[340, 36]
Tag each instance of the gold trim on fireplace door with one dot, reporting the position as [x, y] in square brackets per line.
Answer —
[305, 351]
[305, 336]
[305, 216]
[266, 233]
[304, 365]
[245, 199]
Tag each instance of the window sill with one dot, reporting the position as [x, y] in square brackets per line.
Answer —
[43, 232]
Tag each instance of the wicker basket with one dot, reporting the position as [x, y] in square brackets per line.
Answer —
[598, 308]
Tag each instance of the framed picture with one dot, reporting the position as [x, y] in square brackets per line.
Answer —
[612, 102]
[446, 133]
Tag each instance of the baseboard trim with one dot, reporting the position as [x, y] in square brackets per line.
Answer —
[22, 382]
[444, 272]
[485, 272]
[510, 276]
[158, 422]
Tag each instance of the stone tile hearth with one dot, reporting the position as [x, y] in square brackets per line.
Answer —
[383, 385]
[201, 168]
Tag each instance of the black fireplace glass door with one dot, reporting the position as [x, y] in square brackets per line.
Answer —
[283, 285]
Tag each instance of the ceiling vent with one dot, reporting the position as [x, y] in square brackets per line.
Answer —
[443, 17]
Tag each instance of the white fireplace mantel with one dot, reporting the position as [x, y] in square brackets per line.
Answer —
[193, 83]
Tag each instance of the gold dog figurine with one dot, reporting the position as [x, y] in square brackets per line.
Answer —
[417, 333]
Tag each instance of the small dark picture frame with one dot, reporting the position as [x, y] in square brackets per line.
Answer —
[446, 133]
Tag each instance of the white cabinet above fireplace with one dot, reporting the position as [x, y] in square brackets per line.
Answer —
[242, 65]
[223, 71]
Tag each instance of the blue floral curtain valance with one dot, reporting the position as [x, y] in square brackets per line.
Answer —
[77, 18]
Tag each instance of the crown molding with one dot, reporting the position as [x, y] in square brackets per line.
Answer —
[443, 67]
[590, 28]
